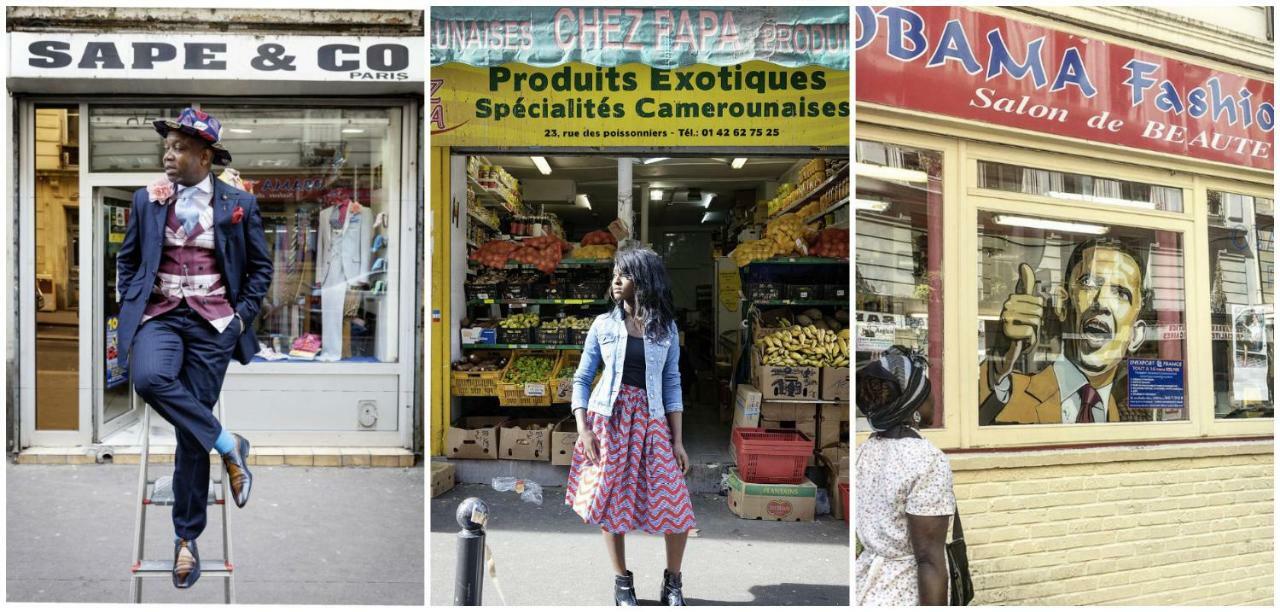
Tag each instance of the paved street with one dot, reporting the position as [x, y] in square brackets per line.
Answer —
[308, 536]
[546, 556]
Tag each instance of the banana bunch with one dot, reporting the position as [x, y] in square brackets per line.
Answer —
[752, 250]
[805, 346]
[520, 321]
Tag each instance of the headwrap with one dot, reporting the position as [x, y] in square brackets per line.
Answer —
[908, 372]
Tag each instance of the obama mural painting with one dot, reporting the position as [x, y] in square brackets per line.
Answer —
[1059, 351]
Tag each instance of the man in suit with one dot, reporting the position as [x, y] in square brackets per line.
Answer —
[1098, 309]
[192, 273]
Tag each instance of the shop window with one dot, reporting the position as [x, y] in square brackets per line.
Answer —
[899, 255]
[1079, 322]
[328, 184]
[1242, 289]
[1080, 187]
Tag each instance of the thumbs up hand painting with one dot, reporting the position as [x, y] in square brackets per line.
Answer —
[1020, 319]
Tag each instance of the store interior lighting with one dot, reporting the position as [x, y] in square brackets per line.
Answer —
[1081, 197]
[903, 175]
[654, 160]
[870, 205]
[1046, 224]
[738, 163]
[352, 131]
[541, 163]
[581, 201]
[655, 195]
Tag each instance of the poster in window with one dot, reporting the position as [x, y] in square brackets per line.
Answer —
[1249, 356]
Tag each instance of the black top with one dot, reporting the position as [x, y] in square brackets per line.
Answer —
[633, 365]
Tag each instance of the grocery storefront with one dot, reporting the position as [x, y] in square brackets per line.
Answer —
[316, 117]
[1106, 201]
[718, 137]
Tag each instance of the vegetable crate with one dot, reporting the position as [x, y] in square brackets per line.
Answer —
[771, 456]
[545, 336]
[478, 384]
[531, 394]
[520, 335]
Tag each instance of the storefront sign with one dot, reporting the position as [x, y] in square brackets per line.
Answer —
[961, 63]
[64, 55]
[1155, 383]
[656, 36]
[617, 77]
[750, 104]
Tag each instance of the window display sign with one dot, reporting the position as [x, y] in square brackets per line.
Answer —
[557, 77]
[117, 374]
[1250, 358]
[1155, 383]
[958, 62]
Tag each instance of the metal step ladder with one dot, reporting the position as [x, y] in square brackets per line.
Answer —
[159, 492]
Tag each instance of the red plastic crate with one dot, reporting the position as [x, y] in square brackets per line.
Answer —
[771, 456]
[844, 500]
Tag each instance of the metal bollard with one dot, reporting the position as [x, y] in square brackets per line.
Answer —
[472, 515]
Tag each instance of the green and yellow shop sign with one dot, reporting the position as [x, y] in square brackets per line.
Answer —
[547, 77]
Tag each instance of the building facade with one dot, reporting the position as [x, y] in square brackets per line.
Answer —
[319, 109]
[1101, 336]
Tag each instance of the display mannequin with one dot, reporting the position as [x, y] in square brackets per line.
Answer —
[342, 261]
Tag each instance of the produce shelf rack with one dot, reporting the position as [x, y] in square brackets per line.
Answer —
[808, 197]
[782, 261]
[798, 302]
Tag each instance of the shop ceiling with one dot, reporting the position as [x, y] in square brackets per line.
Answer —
[597, 177]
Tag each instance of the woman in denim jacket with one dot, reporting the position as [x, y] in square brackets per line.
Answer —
[629, 463]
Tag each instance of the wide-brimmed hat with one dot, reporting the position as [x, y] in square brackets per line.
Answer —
[202, 125]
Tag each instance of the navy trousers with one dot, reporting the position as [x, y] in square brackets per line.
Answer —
[177, 364]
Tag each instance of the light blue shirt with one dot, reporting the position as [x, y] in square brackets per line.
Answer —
[606, 346]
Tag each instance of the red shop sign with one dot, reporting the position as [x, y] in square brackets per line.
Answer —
[957, 62]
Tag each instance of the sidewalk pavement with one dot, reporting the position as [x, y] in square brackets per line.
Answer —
[308, 536]
[545, 555]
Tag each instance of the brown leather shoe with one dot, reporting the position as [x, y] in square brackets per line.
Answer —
[238, 476]
[186, 564]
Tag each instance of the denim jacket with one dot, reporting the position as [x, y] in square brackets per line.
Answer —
[607, 345]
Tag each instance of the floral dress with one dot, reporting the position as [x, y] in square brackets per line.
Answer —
[895, 477]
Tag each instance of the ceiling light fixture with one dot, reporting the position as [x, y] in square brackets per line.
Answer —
[1046, 224]
[541, 163]
[738, 163]
[581, 201]
[655, 195]
[352, 131]
[902, 175]
[654, 160]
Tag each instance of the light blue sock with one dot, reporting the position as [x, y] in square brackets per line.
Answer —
[225, 443]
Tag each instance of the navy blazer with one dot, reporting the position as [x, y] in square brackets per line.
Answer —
[241, 251]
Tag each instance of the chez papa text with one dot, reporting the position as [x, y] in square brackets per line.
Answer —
[906, 40]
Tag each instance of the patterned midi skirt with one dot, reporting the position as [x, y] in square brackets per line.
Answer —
[638, 484]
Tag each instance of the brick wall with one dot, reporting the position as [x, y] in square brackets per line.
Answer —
[1171, 524]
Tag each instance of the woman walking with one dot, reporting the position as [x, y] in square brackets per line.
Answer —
[903, 488]
[629, 463]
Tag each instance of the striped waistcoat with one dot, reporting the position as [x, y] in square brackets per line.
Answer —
[189, 271]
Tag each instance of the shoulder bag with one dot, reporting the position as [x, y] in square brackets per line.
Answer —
[958, 565]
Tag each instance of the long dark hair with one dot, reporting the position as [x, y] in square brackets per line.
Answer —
[653, 302]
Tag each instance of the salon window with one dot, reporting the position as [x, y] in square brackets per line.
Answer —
[899, 253]
[1079, 322]
[1241, 303]
[1078, 187]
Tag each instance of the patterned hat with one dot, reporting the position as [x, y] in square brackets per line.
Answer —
[202, 125]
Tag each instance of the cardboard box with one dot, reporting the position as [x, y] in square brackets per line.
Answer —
[784, 382]
[525, 439]
[473, 438]
[835, 384]
[563, 437]
[833, 424]
[772, 502]
[443, 477]
[838, 456]
[836, 496]
[746, 406]
[788, 411]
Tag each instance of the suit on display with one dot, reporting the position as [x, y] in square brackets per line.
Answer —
[342, 260]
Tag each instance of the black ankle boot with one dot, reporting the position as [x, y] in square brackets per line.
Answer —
[624, 590]
[672, 595]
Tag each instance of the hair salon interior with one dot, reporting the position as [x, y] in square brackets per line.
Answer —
[319, 109]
